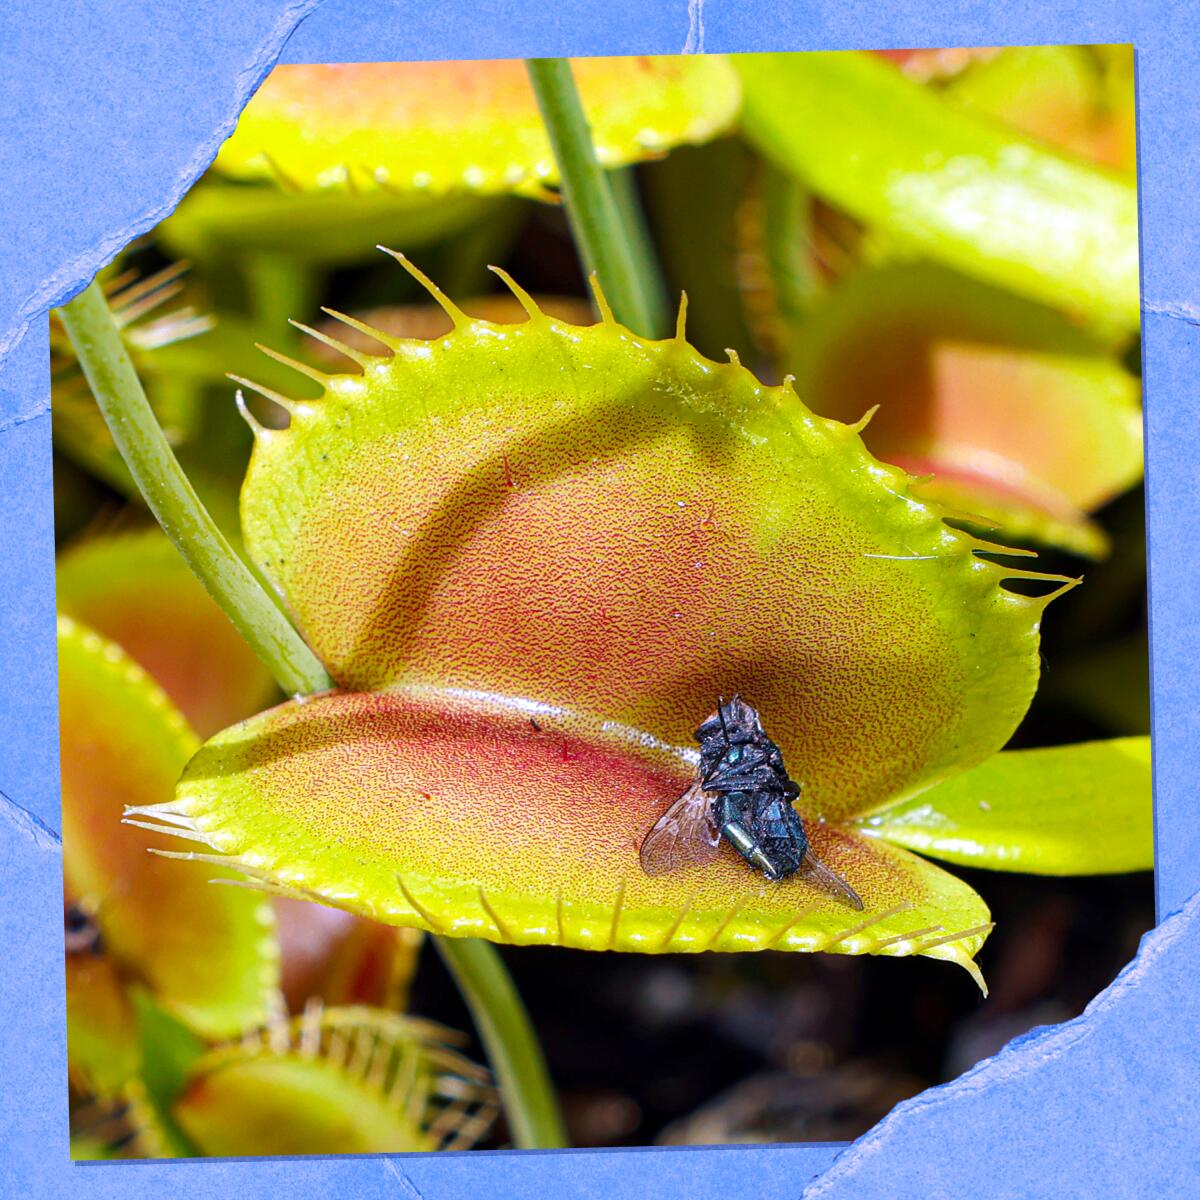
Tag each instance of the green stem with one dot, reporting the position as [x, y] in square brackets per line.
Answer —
[279, 287]
[171, 498]
[513, 1049]
[648, 272]
[508, 1038]
[603, 234]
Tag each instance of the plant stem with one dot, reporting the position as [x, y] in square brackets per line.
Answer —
[504, 1028]
[602, 232]
[513, 1049]
[649, 275]
[173, 501]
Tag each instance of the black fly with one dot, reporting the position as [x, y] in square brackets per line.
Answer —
[742, 793]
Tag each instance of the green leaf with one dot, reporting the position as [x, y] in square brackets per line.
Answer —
[102, 1049]
[1067, 810]
[1110, 683]
[332, 228]
[1074, 97]
[961, 188]
[169, 1050]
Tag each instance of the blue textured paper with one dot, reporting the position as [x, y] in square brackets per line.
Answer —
[109, 111]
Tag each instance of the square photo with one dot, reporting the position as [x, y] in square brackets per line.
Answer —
[602, 603]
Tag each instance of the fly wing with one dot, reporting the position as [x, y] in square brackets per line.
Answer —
[830, 881]
[683, 836]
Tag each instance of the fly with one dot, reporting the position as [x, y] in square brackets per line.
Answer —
[742, 793]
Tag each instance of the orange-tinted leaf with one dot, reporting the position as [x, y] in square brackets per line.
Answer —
[435, 127]
[621, 527]
[1079, 98]
[136, 590]
[937, 64]
[331, 955]
[206, 952]
[472, 815]
[1018, 416]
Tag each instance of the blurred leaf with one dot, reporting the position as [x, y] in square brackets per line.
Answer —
[90, 1149]
[102, 1045]
[471, 815]
[430, 128]
[330, 955]
[956, 186]
[339, 1081]
[207, 953]
[221, 219]
[135, 589]
[693, 197]
[1067, 810]
[1018, 415]
[1109, 682]
[169, 1050]
[1066, 96]
[937, 64]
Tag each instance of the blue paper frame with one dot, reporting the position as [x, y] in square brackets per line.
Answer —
[108, 112]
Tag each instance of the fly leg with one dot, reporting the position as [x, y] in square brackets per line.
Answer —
[732, 813]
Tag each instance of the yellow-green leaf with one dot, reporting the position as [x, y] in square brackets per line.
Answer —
[332, 227]
[436, 127]
[472, 815]
[1067, 810]
[102, 1051]
[207, 953]
[338, 1081]
[1077, 97]
[959, 187]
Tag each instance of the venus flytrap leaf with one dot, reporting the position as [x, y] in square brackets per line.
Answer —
[587, 518]
[216, 220]
[102, 1051]
[567, 541]
[453, 127]
[335, 1081]
[473, 815]
[1016, 414]
[207, 954]
[528, 1097]
[1067, 810]
[958, 187]
[1079, 98]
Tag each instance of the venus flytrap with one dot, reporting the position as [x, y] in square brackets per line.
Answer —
[564, 576]
[521, 560]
